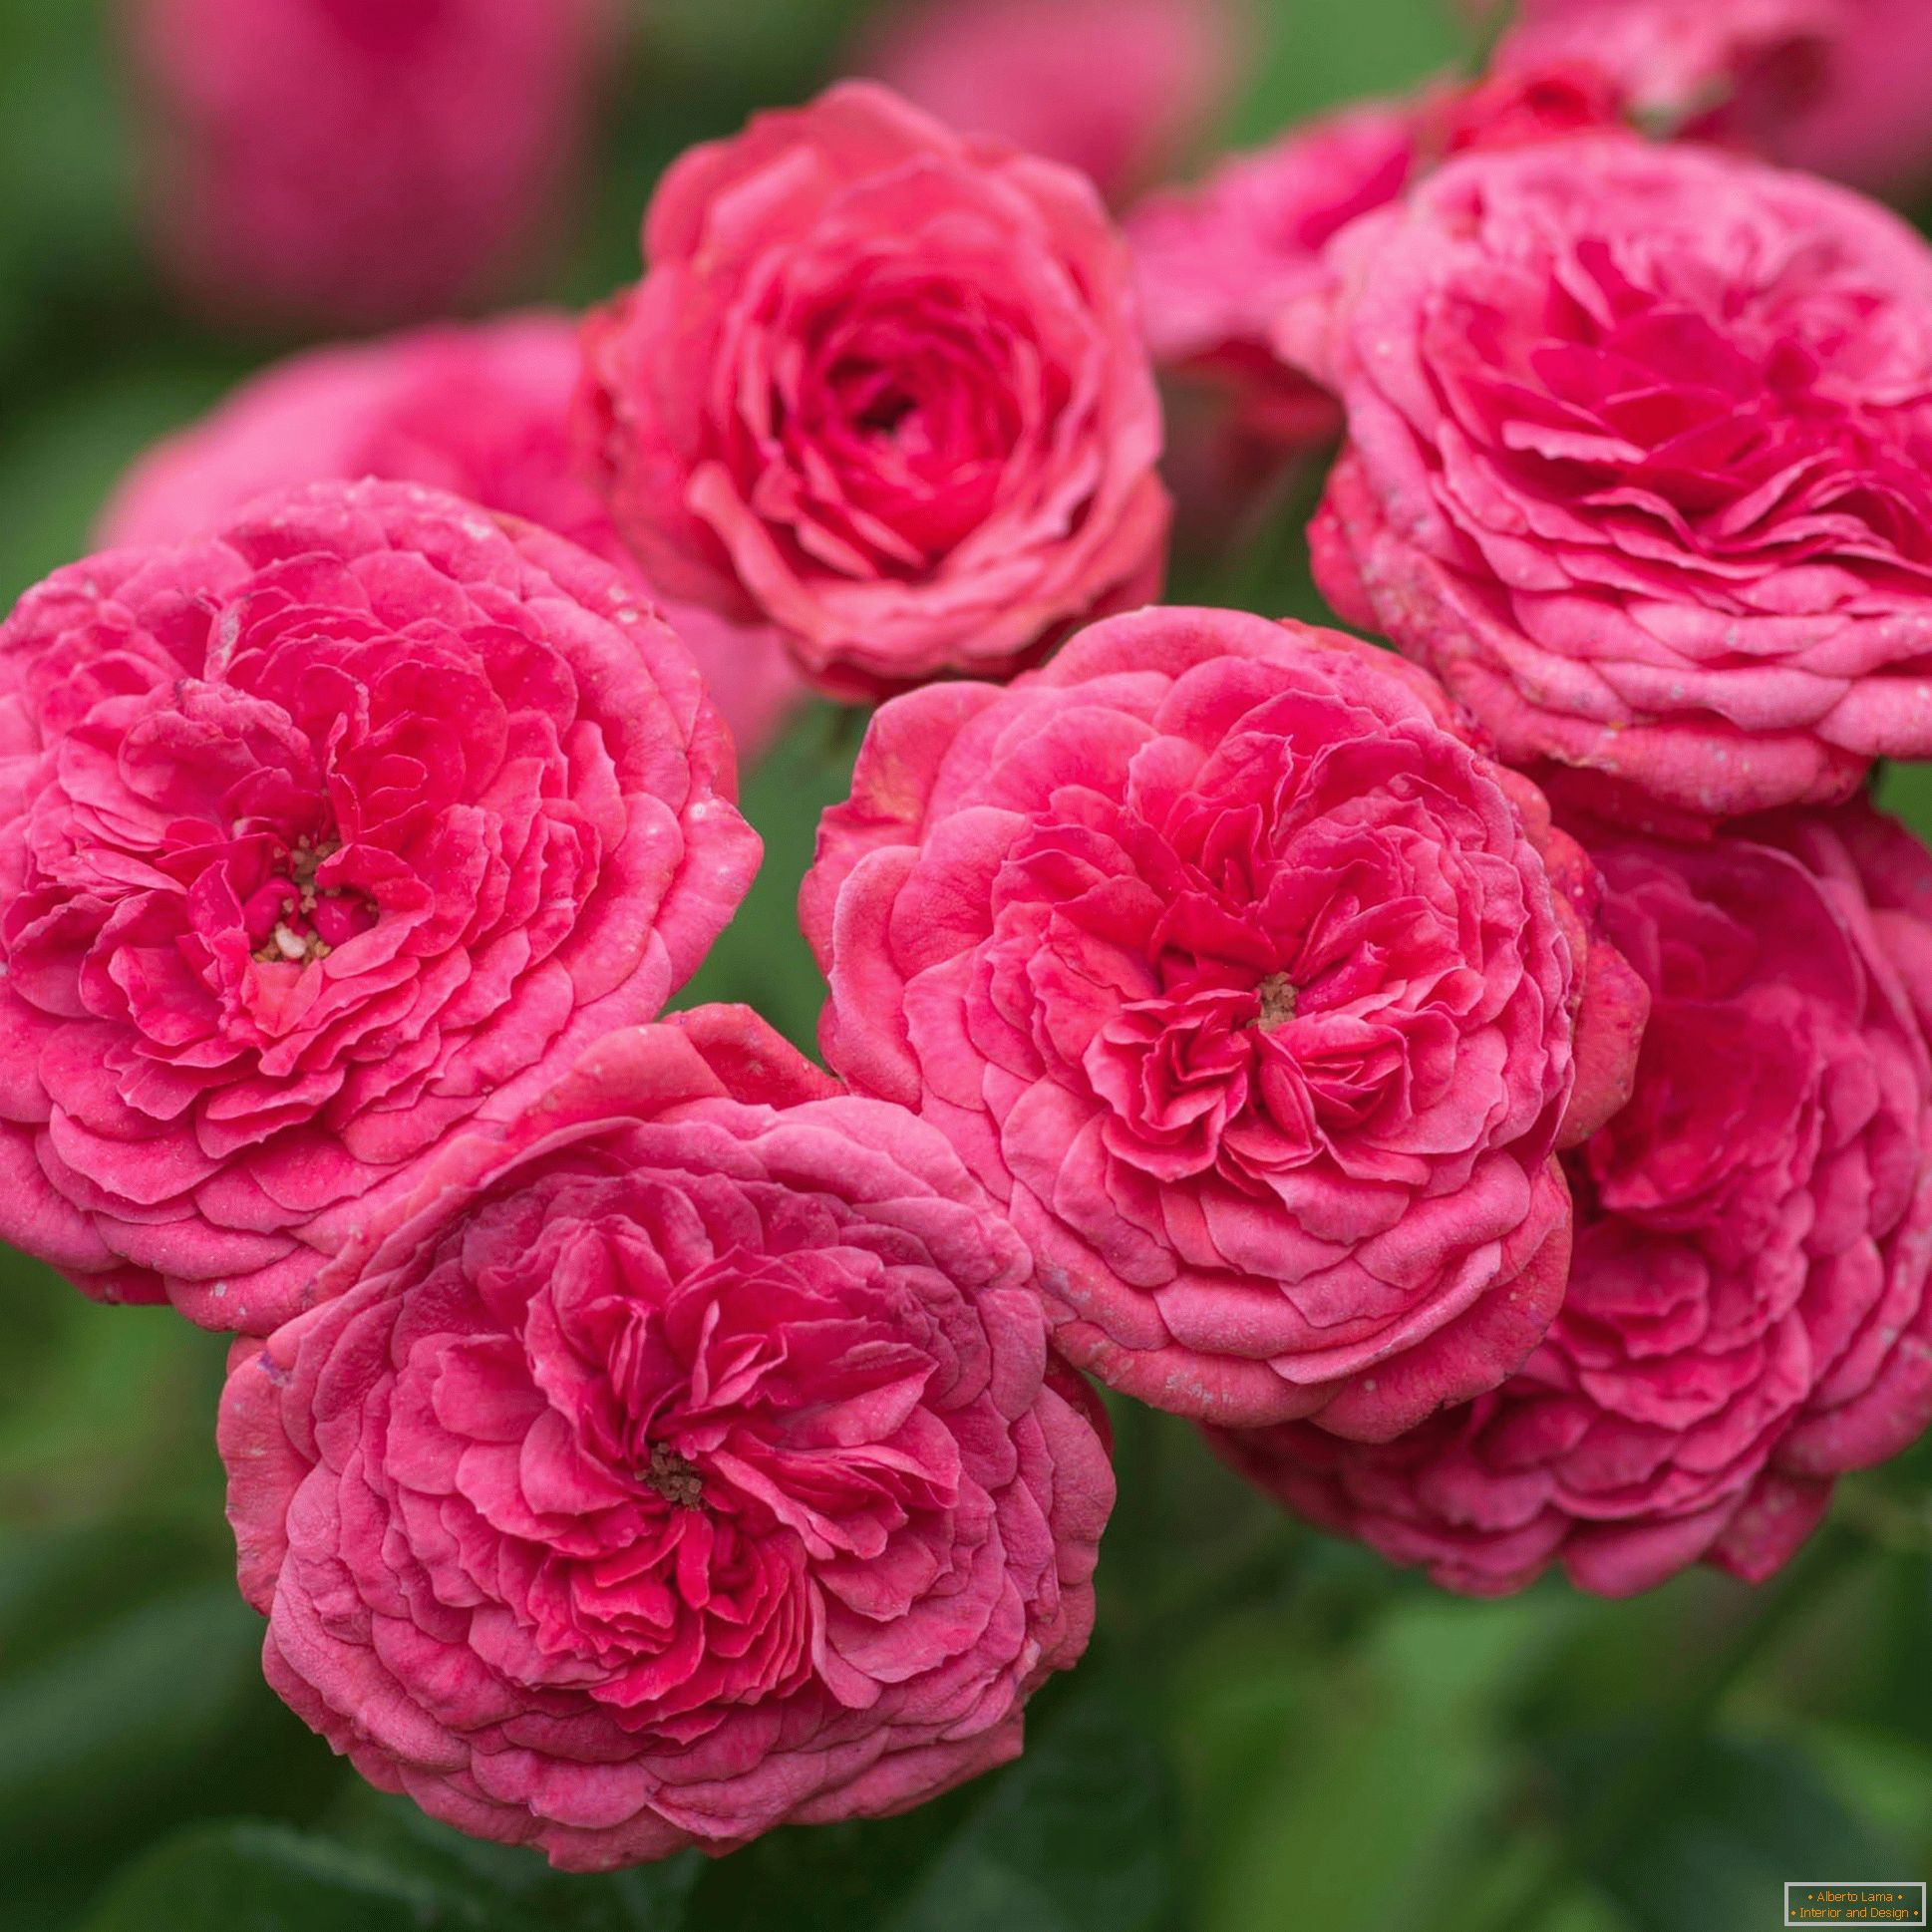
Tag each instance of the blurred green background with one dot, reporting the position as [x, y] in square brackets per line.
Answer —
[1272, 1731]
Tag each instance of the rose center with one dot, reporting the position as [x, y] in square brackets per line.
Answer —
[292, 921]
[675, 1480]
[1277, 996]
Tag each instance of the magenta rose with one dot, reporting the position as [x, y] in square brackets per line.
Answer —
[683, 1462]
[479, 410]
[1119, 89]
[319, 837]
[1238, 977]
[1748, 1313]
[361, 161]
[1640, 464]
[883, 385]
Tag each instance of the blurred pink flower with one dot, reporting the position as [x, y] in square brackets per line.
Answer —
[1739, 68]
[1120, 89]
[1748, 1314]
[358, 163]
[884, 386]
[479, 410]
[1218, 264]
[321, 835]
[1837, 86]
[1870, 122]
[683, 1462]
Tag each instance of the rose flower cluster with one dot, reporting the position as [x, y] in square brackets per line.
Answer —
[1478, 1070]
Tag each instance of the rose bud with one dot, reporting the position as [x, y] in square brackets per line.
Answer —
[319, 837]
[1250, 989]
[1748, 1313]
[359, 162]
[1640, 464]
[1026, 72]
[884, 386]
[479, 410]
[681, 1461]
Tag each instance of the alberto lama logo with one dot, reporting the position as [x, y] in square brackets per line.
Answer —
[1851, 1902]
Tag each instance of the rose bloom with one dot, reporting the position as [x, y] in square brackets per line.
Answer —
[318, 838]
[884, 385]
[479, 410]
[1748, 1313]
[1243, 983]
[1640, 464]
[1219, 263]
[1119, 89]
[683, 1462]
[360, 161]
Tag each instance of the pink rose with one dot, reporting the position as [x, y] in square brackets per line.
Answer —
[361, 161]
[479, 410]
[1748, 1313]
[1640, 464]
[1736, 68]
[682, 1462]
[883, 385]
[1119, 89]
[318, 838]
[1237, 976]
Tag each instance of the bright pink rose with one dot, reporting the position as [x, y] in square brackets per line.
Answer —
[1868, 124]
[318, 838]
[1735, 68]
[885, 385]
[682, 1462]
[1119, 89]
[1237, 976]
[1747, 1312]
[361, 161]
[1640, 464]
[479, 410]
